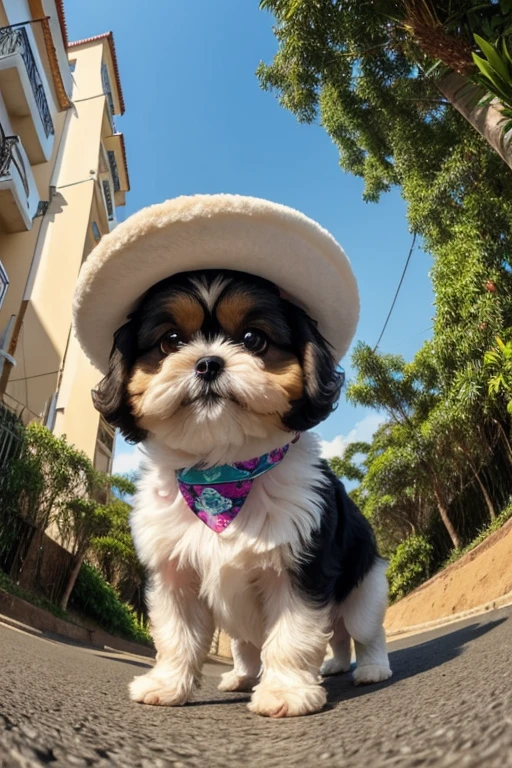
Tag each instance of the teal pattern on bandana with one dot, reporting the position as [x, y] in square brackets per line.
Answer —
[217, 494]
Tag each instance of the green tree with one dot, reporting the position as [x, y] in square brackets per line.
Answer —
[356, 67]
[115, 556]
[405, 393]
[79, 522]
[402, 56]
[84, 519]
[57, 473]
[409, 566]
[345, 466]
[384, 79]
[498, 361]
[392, 493]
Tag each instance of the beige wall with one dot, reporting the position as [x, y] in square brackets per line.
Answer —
[48, 357]
[16, 250]
[76, 418]
[46, 326]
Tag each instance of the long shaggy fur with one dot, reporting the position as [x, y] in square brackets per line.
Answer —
[299, 564]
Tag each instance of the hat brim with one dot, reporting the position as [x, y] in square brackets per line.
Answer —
[214, 232]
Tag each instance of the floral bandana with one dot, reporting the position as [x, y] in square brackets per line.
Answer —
[217, 494]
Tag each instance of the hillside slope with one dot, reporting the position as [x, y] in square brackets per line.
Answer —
[481, 576]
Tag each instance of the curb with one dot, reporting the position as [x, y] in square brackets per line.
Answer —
[24, 616]
[416, 629]
[40, 623]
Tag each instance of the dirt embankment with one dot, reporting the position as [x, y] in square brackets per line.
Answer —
[481, 576]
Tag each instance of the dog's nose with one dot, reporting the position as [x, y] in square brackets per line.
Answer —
[208, 368]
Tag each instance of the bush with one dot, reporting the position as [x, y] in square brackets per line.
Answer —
[95, 597]
[46, 476]
[40, 602]
[500, 521]
[409, 566]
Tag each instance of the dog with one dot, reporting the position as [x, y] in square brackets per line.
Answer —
[212, 369]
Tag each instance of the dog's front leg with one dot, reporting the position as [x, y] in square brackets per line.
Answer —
[182, 628]
[294, 647]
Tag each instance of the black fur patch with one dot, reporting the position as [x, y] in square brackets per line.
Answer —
[322, 380]
[109, 397]
[341, 552]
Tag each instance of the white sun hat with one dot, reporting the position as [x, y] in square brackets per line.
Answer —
[246, 234]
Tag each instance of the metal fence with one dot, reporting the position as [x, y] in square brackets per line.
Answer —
[11, 436]
[14, 39]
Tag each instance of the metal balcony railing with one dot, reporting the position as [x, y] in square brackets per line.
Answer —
[4, 285]
[107, 90]
[113, 169]
[11, 436]
[108, 200]
[15, 40]
[11, 155]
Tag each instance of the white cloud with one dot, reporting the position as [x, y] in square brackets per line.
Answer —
[127, 460]
[362, 432]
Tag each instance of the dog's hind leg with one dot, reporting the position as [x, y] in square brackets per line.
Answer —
[363, 613]
[341, 650]
[247, 664]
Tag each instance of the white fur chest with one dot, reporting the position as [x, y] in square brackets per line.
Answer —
[268, 533]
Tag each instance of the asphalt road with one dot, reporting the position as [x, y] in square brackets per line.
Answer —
[448, 704]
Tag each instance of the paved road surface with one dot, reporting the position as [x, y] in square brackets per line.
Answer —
[449, 704]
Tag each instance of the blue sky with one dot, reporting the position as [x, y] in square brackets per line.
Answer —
[197, 121]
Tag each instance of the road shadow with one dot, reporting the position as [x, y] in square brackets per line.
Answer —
[412, 661]
[125, 660]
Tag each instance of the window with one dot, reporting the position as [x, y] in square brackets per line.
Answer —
[103, 452]
[113, 169]
[106, 435]
[107, 90]
[72, 65]
[96, 232]
[4, 283]
[108, 200]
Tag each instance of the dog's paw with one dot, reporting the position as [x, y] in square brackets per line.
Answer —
[157, 689]
[287, 702]
[371, 673]
[334, 666]
[230, 681]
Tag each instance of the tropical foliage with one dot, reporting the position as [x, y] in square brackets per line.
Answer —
[406, 90]
[499, 363]
[52, 485]
[409, 566]
[99, 600]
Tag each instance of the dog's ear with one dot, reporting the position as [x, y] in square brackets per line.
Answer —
[322, 379]
[110, 397]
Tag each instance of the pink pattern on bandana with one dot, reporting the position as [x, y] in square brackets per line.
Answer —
[217, 494]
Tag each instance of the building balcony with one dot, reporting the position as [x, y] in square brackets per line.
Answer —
[19, 198]
[116, 154]
[24, 94]
[4, 285]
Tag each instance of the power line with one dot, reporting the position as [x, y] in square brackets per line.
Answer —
[397, 291]
[25, 407]
[35, 376]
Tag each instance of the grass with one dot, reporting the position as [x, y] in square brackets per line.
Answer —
[501, 519]
[40, 602]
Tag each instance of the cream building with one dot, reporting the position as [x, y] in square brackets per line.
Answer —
[63, 173]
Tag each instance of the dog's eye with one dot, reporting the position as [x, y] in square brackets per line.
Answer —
[255, 341]
[171, 342]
